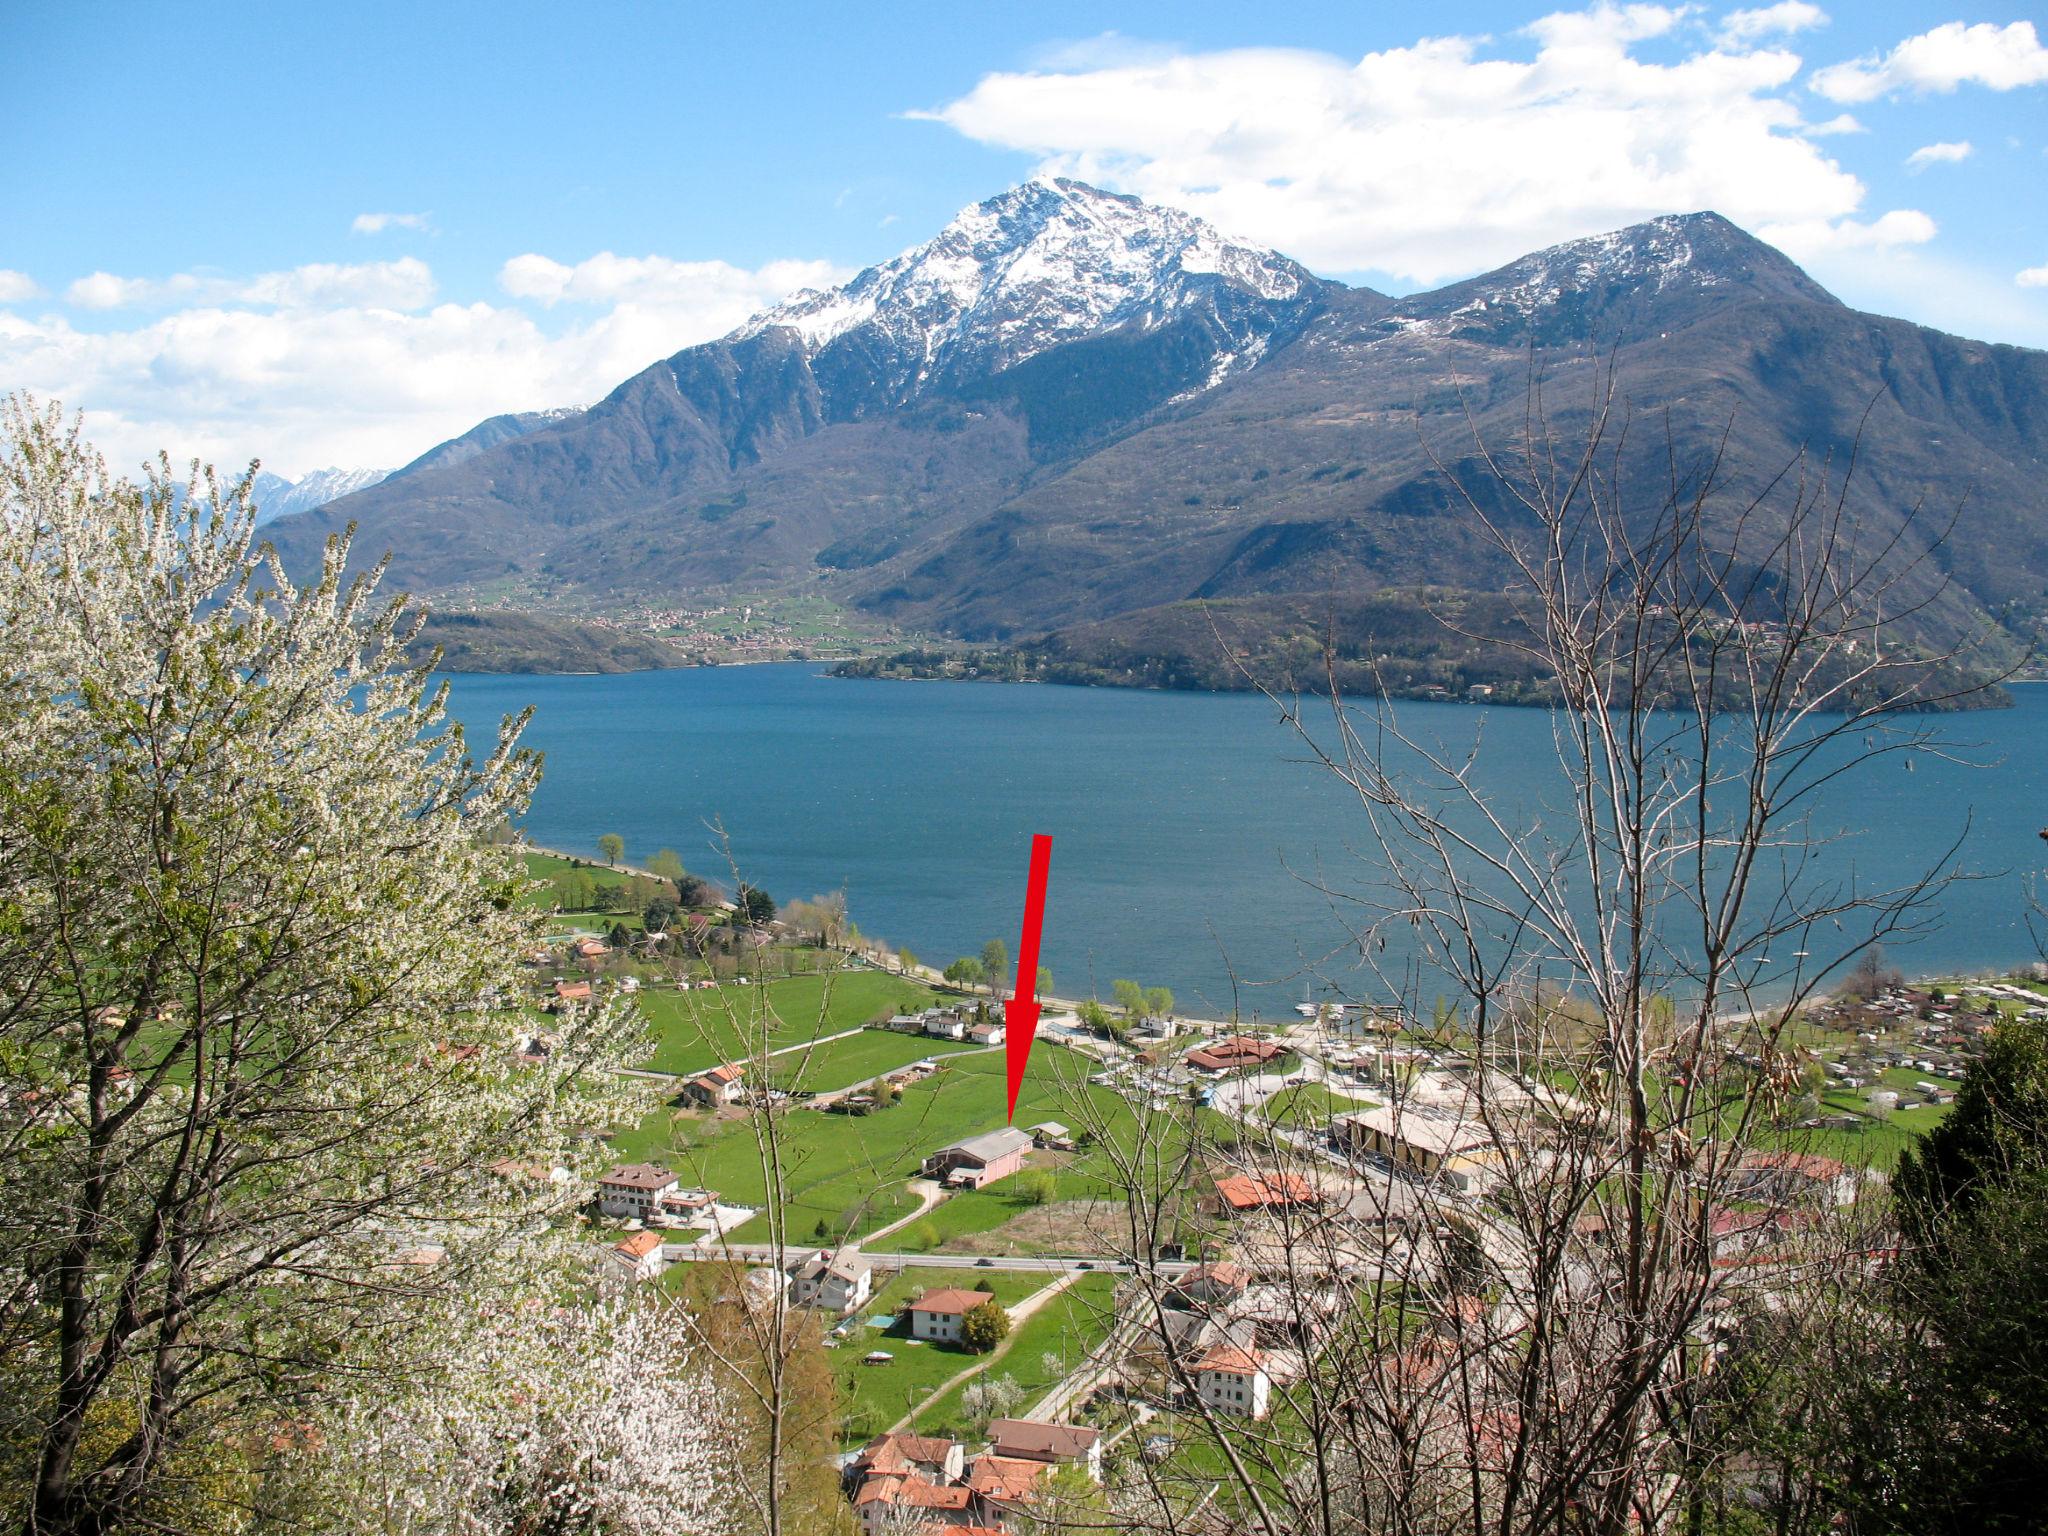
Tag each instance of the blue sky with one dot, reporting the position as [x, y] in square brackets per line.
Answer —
[339, 234]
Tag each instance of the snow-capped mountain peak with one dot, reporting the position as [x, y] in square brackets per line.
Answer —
[1049, 262]
[278, 497]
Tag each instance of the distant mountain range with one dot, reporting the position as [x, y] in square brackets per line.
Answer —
[1073, 409]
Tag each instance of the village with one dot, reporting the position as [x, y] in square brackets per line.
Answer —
[993, 1336]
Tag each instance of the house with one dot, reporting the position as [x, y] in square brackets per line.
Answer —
[1240, 1194]
[929, 1456]
[569, 992]
[721, 1085]
[1214, 1284]
[637, 1256]
[1052, 1136]
[1234, 1380]
[979, 1160]
[834, 1281]
[892, 1501]
[590, 949]
[1063, 1445]
[1788, 1176]
[937, 1315]
[988, 1032]
[1002, 1486]
[1425, 1139]
[945, 1026]
[633, 1189]
[1235, 1053]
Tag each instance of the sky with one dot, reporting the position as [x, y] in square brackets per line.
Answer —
[337, 235]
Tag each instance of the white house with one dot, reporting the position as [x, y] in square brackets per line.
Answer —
[945, 1026]
[1233, 1379]
[637, 1256]
[835, 1282]
[723, 1084]
[988, 1032]
[633, 1190]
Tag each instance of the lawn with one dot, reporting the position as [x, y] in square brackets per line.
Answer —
[876, 1396]
[1311, 1104]
[699, 1029]
[1045, 1348]
[849, 1172]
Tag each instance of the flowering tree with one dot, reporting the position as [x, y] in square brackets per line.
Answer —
[599, 1416]
[257, 987]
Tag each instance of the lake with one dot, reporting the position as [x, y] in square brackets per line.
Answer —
[1186, 827]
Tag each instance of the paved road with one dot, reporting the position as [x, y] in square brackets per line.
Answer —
[1037, 1264]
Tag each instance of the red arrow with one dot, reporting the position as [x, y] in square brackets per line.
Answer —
[1020, 1013]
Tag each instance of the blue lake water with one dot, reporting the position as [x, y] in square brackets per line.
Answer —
[1186, 827]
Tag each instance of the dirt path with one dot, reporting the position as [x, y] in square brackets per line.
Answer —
[1018, 1313]
[929, 1193]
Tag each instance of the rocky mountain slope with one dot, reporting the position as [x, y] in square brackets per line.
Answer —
[1073, 408]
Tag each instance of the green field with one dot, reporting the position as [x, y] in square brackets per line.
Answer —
[699, 1029]
[1065, 1329]
[1311, 1104]
[876, 1396]
[849, 1172]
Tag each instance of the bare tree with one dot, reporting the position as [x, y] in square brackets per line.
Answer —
[1495, 1301]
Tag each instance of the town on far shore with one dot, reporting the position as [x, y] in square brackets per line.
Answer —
[968, 1274]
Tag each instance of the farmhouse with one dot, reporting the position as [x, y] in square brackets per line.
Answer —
[633, 1189]
[930, 1456]
[1428, 1140]
[834, 1282]
[1234, 1053]
[1002, 1486]
[721, 1085]
[1234, 1380]
[893, 1501]
[937, 1315]
[979, 1160]
[988, 1032]
[637, 1256]
[1071, 1445]
[1213, 1284]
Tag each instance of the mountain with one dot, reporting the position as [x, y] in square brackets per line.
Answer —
[488, 433]
[1072, 409]
[278, 497]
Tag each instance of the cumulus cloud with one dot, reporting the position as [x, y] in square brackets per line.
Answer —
[2033, 277]
[1741, 27]
[16, 286]
[1805, 239]
[1953, 54]
[1943, 153]
[1437, 159]
[404, 284]
[317, 366]
[377, 223]
[710, 285]
[1841, 122]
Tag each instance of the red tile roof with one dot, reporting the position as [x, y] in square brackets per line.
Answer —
[950, 1302]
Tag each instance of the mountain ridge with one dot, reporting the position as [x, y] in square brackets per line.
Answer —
[1069, 406]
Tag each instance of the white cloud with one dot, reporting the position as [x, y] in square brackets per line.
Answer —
[2033, 277]
[404, 284]
[16, 286]
[1806, 239]
[1841, 122]
[709, 285]
[1438, 159]
[377, 223]
[1771, 20]
[312, 367]
[1946, 152]
[1953, 54]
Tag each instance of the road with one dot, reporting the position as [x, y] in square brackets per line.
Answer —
[1021, 1263]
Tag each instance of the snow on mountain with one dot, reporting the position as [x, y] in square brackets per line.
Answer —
[1045, 263]
[278, 497]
